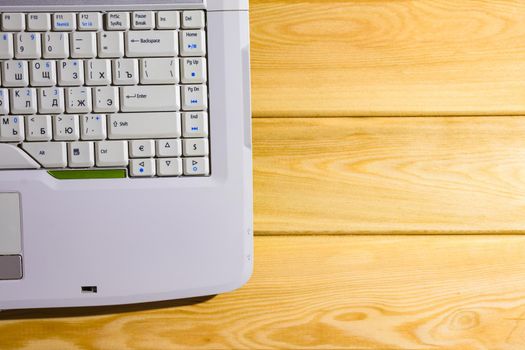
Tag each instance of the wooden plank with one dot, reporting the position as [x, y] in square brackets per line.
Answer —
[384, 57]
[322, 293]
[389, 175]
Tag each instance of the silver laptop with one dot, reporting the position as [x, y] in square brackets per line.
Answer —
[125, 151]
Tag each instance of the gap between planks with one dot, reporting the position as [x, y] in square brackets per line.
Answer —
[378, 116]
[390, 234]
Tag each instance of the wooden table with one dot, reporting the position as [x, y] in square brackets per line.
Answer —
[389, 190]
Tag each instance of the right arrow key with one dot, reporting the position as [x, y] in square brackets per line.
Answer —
[199, 166]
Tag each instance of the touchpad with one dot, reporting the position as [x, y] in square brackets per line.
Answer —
[10, 237]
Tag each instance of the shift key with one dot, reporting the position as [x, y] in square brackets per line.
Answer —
[151, 98]
[124, 126]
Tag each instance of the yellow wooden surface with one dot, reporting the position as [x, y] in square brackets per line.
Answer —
[331, 292]
[389, 175]
[388, 57]
[321, 181]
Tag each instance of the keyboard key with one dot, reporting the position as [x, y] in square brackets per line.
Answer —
[51, 100]
[168, 20]
[195, 147]
[195, 124]
[78, 100]
[56, 45]
[13, 22]
[143, 20]
[193, 19]
[23, 101]
[70, 72]
[193, 70]
[12, 128]
[28, 45]
[169, 148]
[43, 73]
[98, 72]
[64, 22]
[12, 157]
[142, 168]
[110, 44]
[192, 43]
[125, 71]
[106, 99]
[196, 166]
[38, 22]
[90, 21]
[81, 154]
[83, 45]
[169, 167]
[117, 21]
[194, 97]
[66, 127]
[149, 43]
[93, 127]
[112, 153]
[4, 101]
[124, 126]
[15, 73]
[142, 149]
[48, 154]
[6, 46]
[155, 98]
[159, 71]
[39, 128]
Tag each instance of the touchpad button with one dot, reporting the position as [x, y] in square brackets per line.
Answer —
[10, 267]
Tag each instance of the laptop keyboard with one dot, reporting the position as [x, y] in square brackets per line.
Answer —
[107, 90]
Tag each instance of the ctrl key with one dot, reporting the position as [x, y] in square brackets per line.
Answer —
[197, 166]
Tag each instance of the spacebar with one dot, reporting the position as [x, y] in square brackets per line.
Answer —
[123, 126]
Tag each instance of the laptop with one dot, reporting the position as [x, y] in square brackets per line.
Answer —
[125, 151]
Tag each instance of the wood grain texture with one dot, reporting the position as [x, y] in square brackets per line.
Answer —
[401, 57]
[325, 293]
[384, 175]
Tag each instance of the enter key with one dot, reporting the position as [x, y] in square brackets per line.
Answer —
[151, 98]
